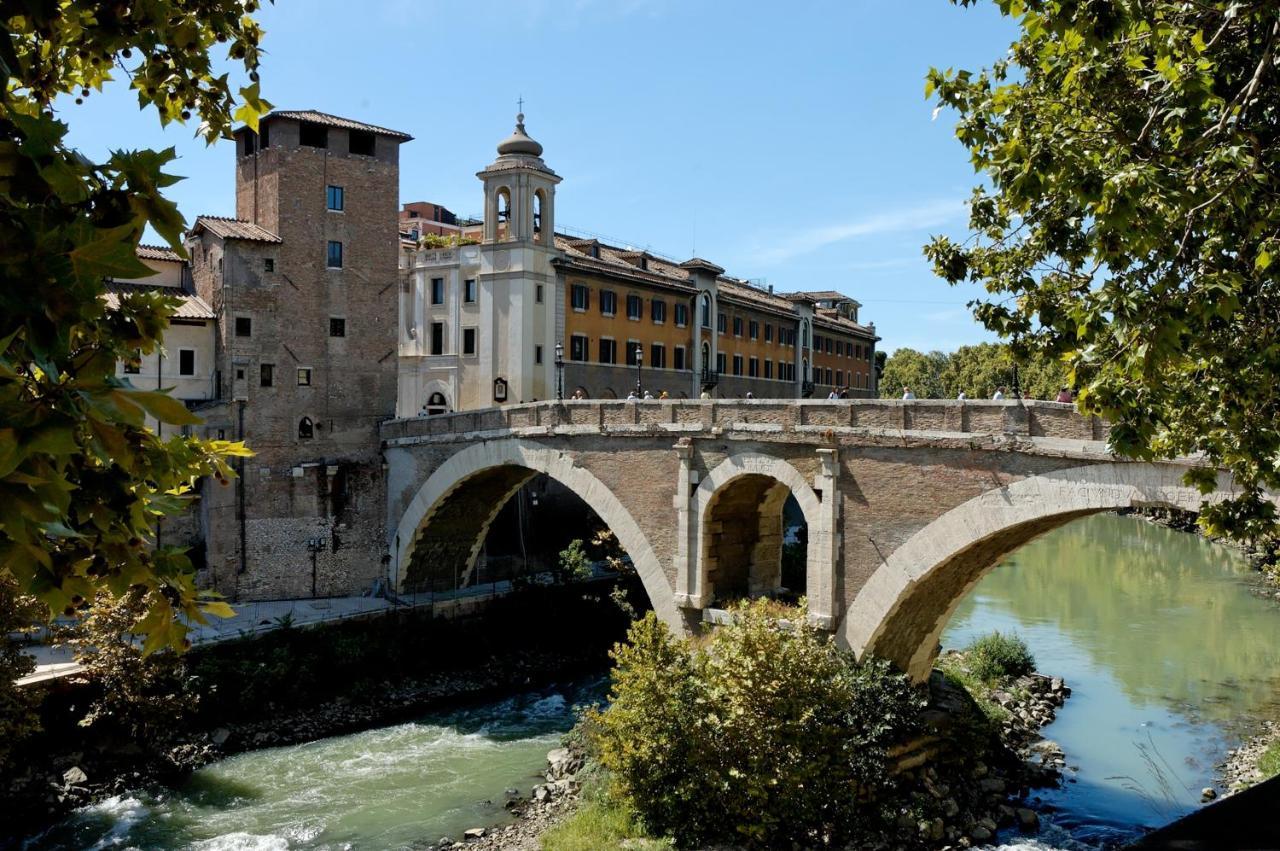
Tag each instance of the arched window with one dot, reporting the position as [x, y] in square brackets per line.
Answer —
[306, 430]
[804, 369]
[706, 310]
[437, 404]
[707, 366]
[804, 338]
[607, 393]
[504, 205]
[539, 204]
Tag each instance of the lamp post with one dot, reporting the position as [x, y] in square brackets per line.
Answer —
[639, 360]
[1017, 391]
[559, 371]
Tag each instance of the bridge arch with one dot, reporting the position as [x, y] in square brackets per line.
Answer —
[752, 529]
[466, 492]
[902, 610]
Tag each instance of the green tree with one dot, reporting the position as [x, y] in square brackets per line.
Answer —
[980, 370]
[572, 565]
[766, 736]
[18, 718]
[909, 368]
[82, 481]
[1129, 222]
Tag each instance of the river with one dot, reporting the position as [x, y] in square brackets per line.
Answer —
[1156, 631]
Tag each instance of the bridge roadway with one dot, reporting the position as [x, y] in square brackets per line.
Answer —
[908, 503]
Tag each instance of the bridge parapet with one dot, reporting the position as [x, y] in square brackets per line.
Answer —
[934, 416]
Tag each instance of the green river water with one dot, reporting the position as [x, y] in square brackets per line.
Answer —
[1156, 632]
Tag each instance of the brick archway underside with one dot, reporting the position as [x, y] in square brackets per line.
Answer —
[442, 529]
[901, 611]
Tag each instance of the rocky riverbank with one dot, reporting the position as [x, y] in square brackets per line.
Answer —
[1240, 769]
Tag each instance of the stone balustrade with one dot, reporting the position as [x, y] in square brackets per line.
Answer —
[935, 416]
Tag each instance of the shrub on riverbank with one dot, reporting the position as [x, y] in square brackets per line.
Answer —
[762, 735]
[1269, 762]
[996, 657]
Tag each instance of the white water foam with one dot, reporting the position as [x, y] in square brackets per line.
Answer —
[125, 811]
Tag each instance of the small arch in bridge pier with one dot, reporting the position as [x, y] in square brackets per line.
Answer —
[738, 532]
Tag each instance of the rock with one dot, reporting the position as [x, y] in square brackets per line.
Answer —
[937, 829]
[1056, 684]
[1208, 793]
[1028, 820]
[991, 784]
[979, 769]
[73, 776]
[541, 793]
[559, 760]
[474, 833]
[980, 834]
[220, 736]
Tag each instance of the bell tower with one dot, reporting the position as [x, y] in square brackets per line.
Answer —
[518, 304]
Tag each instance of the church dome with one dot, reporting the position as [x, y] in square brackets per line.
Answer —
[519, 142]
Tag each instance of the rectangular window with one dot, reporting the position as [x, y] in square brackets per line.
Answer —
[658, 311]
[334, 198]
[828, 345]
[632, 345]
[537, 293]
[768, 333]
[334, 260]
[186, 361]
[658, 356]
[737, 326]
[839, 378]
[304, 376]
[313, 135]
[469, 290]
[722, 362]
[608, 303]
[753, 330]
[817, 342]
[753, 367]
[677, 358]
[768, 368]
[635, 307]
[737, 364]
[266, 374]
[360, 142]
[608, 351]
[437, 338]
[578, 347]
[828, 375]
[437, 290]
[848, 350]
[269, 264]
[244, 326]
[537, 354]
[581, 297]
[337, 326]
[468, 341]
[682, 315]
[857, 351]
[722, 323]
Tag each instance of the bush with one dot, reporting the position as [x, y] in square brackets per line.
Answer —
[997, 657]
[763, 736]
[1269, 762]
[18, 719]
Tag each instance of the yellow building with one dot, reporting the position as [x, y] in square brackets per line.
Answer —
[513, 311]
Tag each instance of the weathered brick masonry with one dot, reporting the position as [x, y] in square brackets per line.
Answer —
[907, 503]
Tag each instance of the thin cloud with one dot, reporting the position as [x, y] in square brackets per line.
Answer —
[915, 218]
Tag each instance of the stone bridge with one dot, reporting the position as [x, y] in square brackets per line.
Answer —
[908, 503]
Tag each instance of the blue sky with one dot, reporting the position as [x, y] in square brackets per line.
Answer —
[785, 142]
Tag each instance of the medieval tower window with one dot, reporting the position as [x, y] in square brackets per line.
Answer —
[337, 326]
[305, 430]
[313, 135]
[304, 376]
[361, 143]
[334, 258]
[334, 198]
[266, 374]
[244, 326]
[269, 264]
[186, 362]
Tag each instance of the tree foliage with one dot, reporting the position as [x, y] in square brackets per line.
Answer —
[1130, 222]
[765, 736]
[18, 718]
[978, 371]
[82, 481]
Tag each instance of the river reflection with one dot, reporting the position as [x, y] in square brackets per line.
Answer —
[1164, 646]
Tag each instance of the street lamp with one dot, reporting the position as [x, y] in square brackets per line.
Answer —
[639, 360]
[1017, 391]
[559, 371]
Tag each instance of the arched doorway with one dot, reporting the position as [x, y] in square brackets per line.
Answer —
[436, 404]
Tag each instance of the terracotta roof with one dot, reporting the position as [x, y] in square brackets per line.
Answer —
[158, 252]
[226, 228]
[192, 306]
[822, 295]
[317, 117]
